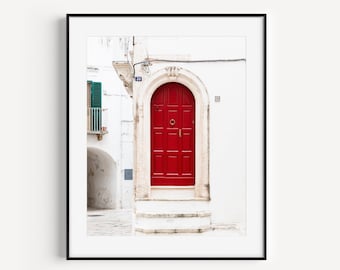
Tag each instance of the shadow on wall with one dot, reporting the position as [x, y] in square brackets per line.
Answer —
[101, 179]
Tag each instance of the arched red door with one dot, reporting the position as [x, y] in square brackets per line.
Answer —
[172, 136]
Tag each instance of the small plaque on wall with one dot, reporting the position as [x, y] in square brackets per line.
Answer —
[128, 174]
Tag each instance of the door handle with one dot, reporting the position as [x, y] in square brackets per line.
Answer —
[172, 122]
[180, 132]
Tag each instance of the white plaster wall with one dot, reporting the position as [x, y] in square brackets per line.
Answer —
[101, 52]
[228, 145]
[303, 134]
[127, 160]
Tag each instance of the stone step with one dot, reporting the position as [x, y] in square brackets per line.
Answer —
[169, 231]
[165, 206]
[171, 221]
[172, 216]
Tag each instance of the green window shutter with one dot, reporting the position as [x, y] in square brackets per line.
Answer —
[96, 95]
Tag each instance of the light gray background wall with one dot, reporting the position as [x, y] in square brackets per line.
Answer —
[303, 132]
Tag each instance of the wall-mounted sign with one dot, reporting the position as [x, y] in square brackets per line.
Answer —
[128, 174]
[138, 78]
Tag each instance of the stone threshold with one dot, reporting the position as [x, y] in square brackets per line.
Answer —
[160, 231]
[172, 199]
[172, 187]
[173, 215]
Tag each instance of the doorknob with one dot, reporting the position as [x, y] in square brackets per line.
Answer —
[172, 122]
[180, 132]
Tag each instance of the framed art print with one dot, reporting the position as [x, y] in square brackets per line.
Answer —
[166, 136]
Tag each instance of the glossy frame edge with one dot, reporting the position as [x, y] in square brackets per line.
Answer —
[264, 16]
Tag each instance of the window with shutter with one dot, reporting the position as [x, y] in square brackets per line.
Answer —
[94, 104]
[96, 95]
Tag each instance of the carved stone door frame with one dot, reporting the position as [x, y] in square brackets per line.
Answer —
[142, 155]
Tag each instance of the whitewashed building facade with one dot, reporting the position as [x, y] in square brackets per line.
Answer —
[109, 129]
[174, 122]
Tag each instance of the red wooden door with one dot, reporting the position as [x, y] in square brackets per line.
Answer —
[172, 136]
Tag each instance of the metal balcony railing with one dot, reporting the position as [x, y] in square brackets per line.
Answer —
[95, 121]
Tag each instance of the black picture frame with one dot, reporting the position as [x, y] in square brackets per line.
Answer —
[263, 256]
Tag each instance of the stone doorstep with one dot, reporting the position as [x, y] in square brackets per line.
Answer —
[172, 214]
[172, 199]
[186, 230]
[171, 206]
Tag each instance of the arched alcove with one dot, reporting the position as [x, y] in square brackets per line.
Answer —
[101, 179]
[143, 136]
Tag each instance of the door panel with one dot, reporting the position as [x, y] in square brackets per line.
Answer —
[186, 165]
[172, 142]
[158, 164]
[172, 165]
[172, 136]
[158, 140]
[187, 142]
[158, 118]
[187, 118]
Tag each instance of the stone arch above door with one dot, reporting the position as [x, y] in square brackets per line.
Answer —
[142, 99]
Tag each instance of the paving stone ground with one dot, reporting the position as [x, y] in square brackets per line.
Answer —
[109, 222]
[112, 222]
